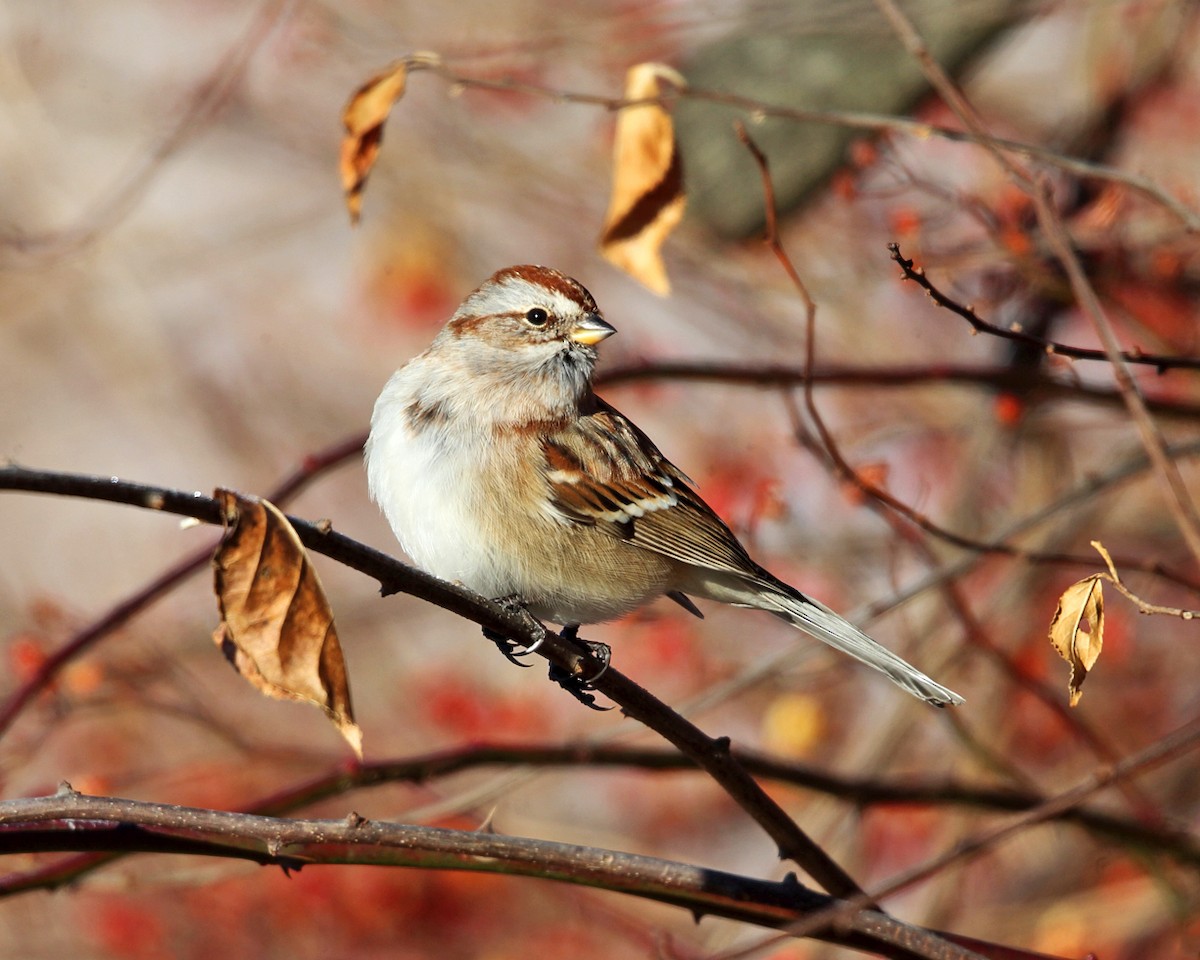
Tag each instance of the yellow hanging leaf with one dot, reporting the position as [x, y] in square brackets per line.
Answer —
[364, 118]
[1077, 629]
[276, 625]
[647, 196]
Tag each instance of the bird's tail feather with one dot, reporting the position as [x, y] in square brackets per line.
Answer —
[814, 618]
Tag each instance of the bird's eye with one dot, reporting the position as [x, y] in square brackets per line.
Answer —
[537, 317]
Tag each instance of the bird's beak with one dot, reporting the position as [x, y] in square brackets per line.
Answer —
[592, 329]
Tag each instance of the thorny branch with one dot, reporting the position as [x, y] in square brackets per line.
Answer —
[967, 312]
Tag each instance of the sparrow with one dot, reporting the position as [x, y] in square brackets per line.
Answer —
[498, 466]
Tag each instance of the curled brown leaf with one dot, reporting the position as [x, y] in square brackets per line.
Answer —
[1077, 629]
[276, 624]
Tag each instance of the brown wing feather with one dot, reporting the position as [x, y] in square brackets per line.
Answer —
[603, 471]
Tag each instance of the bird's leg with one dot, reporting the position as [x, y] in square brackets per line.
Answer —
[577, 687]
[506, 645]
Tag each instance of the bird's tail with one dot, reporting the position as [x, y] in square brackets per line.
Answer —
[816, 619]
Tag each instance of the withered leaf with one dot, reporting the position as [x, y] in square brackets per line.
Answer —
[647, 195]
[363, 119]
[1077, 629]
[276, 625]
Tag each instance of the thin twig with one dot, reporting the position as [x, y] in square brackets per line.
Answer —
[889, 507]
[917, 275]
[831, 451]
[1179, 501]
[1035, 384]
[1144, 606]
[1165, 749]
[207, 100]
[871, 122]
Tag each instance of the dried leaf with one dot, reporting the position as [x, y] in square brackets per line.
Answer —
[647, 196]
[1077, 629]
[363, 118]
[276, 625]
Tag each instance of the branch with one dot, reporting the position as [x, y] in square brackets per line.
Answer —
[313, 466]
[72, 821]
[1051, 347]
[712, 754]
[860, 791]
[206, 101]
[751, 107]
[1170, 747]
[1144, 606]
[1024, 381]
[1179, 501]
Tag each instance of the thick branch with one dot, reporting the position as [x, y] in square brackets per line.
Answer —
[72, 821]
[859, 791]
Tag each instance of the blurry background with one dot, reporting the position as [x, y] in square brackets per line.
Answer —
[185, 304]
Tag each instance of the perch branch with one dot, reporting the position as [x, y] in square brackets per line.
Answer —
[713, 754]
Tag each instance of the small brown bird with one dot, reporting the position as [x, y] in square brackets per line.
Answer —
[498, 466]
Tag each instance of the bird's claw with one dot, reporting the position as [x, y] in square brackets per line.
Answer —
[506, 645]
[576, 686]
[510, 648]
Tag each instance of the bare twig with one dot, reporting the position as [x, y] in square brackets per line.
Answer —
[207, 100]
[967, 312]
[1178, 499]
[888, 507]
[1176, 744]
[1028, 383]
[871, 122]
[832, 453]
[1143, 606]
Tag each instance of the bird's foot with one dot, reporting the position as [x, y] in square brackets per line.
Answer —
[511, 649]
[577, 686]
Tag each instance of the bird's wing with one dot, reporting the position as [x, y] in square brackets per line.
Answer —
[603, 471]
